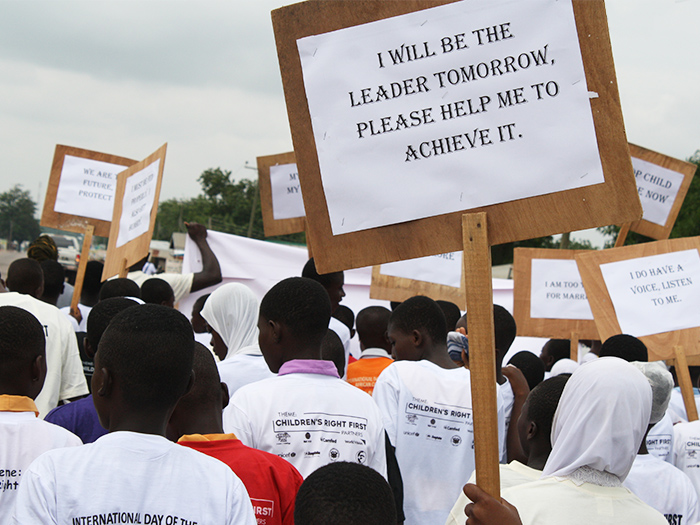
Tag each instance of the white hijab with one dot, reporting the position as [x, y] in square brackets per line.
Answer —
[601, 419]
[232, 310]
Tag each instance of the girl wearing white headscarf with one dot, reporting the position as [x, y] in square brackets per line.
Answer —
[232, 315]
[599, 424]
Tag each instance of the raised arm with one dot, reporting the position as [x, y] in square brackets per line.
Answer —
[211, 271]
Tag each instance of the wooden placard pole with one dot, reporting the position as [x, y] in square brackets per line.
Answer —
[573, 351]
[123, 269]
[82, 265]
[683, 375]
[622, 234]
[482, 354]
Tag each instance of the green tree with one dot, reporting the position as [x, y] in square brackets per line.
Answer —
[17, 209]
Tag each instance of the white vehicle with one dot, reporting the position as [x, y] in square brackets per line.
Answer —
[68, 251]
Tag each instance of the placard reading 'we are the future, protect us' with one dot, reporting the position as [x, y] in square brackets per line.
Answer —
[407, 109]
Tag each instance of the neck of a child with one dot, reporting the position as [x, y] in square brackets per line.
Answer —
[538, 455]
[205, 422]
[500, 379]
[643, 446]
[145, 422]
[305, 352]
[438, 355]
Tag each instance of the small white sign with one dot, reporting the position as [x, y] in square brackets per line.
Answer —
[657, 188]
[655, 294]
[443, 269]
[139, 197]
[287, 202]
[87, 188]
[447, 109]
[556, 291]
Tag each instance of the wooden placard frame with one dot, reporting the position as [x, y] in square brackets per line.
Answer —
[271, 225]
[68, 222]
[522, 281]
[660, 346]
[119, 259]
[687, 169]
[612, 202]
[392, 288]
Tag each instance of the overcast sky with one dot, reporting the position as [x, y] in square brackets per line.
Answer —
[125, 76]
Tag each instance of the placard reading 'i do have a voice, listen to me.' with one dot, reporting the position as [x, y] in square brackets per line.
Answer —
[453, 97]
[556, 291]
[655, 294]
[287, 201]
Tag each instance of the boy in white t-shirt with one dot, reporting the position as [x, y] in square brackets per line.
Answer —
[23, 436]
[426, 403]
[143, 366]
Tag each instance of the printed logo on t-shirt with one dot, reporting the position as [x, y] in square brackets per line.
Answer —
[282, 438]
[9, 479]
[361, 457]
[456, 440]
[333, 454]
[263, 509]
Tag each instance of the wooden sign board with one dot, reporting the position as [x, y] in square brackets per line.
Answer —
[271, 225]
[658, 186]
[656, 286]
[393, 288]
[522, 298]
[610, 202]
[134, 215]
[81, 190]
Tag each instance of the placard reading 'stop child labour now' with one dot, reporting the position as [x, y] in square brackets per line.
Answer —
[431, 112]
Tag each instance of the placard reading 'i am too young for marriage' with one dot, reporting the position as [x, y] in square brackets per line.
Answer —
[497, 45]
[437, 276]
[662, 184]
[134, 215]
[81, 190]
[280, 195]
[650, 290]
[548, 296]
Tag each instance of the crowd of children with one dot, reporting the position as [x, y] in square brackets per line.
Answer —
[275, 423]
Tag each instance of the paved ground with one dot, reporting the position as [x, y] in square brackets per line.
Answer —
[6, 258]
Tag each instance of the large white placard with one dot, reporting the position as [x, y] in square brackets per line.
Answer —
[556, 291]
[451, 108]
[287, 202]
[87, 188]
[655, 294]
[443, 269]
[657, 187]
[139, 197]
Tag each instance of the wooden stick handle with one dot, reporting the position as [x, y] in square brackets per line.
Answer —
[622, 235]
[573, 349]
[683, 375]
[482, 352]
[82, 264]
[124, 269]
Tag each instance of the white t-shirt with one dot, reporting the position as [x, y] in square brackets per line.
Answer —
[686, 450]
[676, 406]
[660, 439]
[128, 475]
[664, 487]
[23, 438]
[64, 369]
[181, 283]
[310, 420]
[553, 502]
[427, 413]
[512, 475]
[243, 369]
[505, 391]
[84, 312]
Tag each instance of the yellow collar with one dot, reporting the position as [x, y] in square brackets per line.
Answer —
[206, 437]
[10, 403]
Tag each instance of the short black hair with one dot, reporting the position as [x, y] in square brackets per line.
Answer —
[332, 349]
[100, 316]
[344, 493]
[530, 365]
[543, 401]
[24, 276]
[156, 291]
[504, 328]
[345, 315]
[93, 277]
[54, 277]
[420, 313]
[452, 313]
[325, 279]
[207, 382]
[372, 323]
[121, 287]
[625, 347]
[22, 340]
[559, 349]
[199, 302]
[302, 305]
[149, 350]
